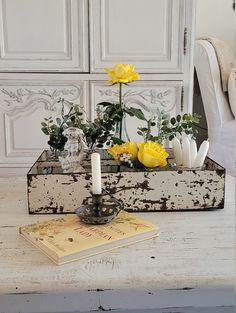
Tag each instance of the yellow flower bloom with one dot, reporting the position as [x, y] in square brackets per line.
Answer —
[129, 147]
[152, 154]
[122, 73]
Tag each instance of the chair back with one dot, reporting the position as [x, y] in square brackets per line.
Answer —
[220, 120]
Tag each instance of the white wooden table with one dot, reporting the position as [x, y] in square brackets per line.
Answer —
[188, 268]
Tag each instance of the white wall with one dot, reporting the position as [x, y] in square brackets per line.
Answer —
[215, 18]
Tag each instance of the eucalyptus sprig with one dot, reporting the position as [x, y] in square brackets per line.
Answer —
[168, 127]
[179, 125]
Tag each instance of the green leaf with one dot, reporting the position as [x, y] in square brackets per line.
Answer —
[116, 118]
[105, 104]
[165, 122]
[185, 116]
[109, 109]
[165, 116]
[77, 109]
[153, 124]
[117, 141]
[178, 118]
[54, 127]
[45, 131]
[58, 120]
[44, 124]
[155, 138]
[139, 133]
[173, 120]
[136, 112]
[171, 137]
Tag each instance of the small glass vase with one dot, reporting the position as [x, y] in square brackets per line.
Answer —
[121, 131]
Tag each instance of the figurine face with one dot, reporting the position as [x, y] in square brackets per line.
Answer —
[72, 133]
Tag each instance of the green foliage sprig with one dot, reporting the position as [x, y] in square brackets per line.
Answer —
[113, 114]
[168, 127]
[54, 129]
[96, 133]
[101, 131]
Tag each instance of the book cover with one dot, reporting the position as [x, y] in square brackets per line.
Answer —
[68, 239]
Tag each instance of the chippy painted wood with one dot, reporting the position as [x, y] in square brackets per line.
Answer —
[52, 191]
[193, 256]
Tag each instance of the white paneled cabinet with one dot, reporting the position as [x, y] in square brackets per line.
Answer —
[148, 34]
[59, 48]
[44, 35]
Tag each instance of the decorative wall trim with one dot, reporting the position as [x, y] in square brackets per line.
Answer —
[18, 100]
[146, 95]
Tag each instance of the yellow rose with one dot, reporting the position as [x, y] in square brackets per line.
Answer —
[122, 73]
[129, 147]
[152, 154]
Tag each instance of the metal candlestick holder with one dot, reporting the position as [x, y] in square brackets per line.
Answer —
[102, 210]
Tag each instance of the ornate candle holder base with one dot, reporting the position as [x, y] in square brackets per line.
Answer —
[100, 211]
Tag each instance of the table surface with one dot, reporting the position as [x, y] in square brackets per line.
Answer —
[194, 251]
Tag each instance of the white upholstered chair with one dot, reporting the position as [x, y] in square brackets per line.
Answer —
[220, 119]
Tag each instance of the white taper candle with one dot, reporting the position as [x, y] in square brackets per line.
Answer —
[96, 173]
[193, 151]
[186, 155]
[201, 155]
[177, 151]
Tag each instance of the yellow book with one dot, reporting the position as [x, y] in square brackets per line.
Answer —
[67, 239]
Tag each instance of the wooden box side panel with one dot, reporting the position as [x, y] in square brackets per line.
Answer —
[57, 193]
[140, 191]
[168, 190]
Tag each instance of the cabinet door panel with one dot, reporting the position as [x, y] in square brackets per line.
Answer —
[149, 96]
[23, 107]
[43, 35]
[148, 34]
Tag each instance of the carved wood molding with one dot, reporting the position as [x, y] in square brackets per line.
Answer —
[162, 99]
[24, 98]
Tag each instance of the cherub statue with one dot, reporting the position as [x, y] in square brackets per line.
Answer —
[75, 147]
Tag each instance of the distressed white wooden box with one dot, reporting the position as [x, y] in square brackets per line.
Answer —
[52, 191]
